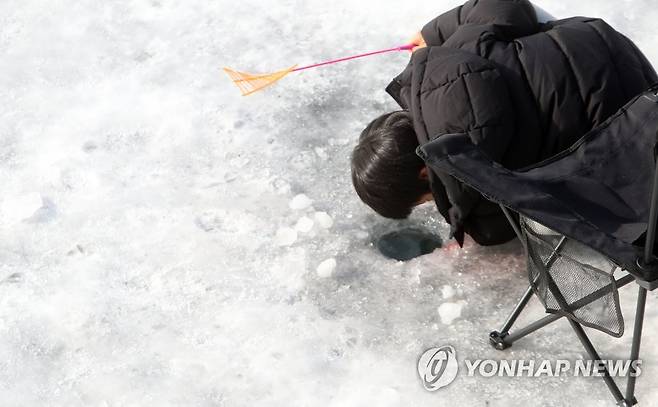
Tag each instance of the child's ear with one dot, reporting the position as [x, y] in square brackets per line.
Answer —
[424, 174]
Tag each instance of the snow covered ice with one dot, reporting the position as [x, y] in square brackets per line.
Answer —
[161, 235]
[286, 236]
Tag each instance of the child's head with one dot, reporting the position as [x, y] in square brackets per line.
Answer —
[386, 172]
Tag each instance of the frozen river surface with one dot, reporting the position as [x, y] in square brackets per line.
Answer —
[167, 242]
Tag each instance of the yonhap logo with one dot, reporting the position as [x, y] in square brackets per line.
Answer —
[438, 367]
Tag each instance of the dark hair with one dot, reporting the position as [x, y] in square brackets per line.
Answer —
[385, 167]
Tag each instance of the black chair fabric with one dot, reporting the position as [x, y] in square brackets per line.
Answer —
[596, 192]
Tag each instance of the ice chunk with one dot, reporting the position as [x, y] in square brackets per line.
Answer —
[321, 153]
[447, 292]
[326, 268]
[304, 225]
[286, 236]
[300, 202]
[324, 220]
[449, 311]
[281, 186]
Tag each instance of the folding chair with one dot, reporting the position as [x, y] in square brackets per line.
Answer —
[583, 216]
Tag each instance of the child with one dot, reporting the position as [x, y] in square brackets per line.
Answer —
[522, 90]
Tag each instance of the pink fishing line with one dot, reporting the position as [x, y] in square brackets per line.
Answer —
[400, 48]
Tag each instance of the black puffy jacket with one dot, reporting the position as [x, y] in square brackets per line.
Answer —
[522, 90]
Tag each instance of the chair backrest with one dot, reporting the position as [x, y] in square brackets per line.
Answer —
[653, 206]
[602, 191]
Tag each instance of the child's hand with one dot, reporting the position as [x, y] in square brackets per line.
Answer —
[417, 40]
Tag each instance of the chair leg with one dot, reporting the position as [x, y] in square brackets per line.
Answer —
[587, 344]
[530, 328]
[497, 338]
[635, 348]
[503, 339]
[593, 354]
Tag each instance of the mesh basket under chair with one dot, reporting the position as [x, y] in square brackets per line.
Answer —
[570, 278]
[583, 216]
